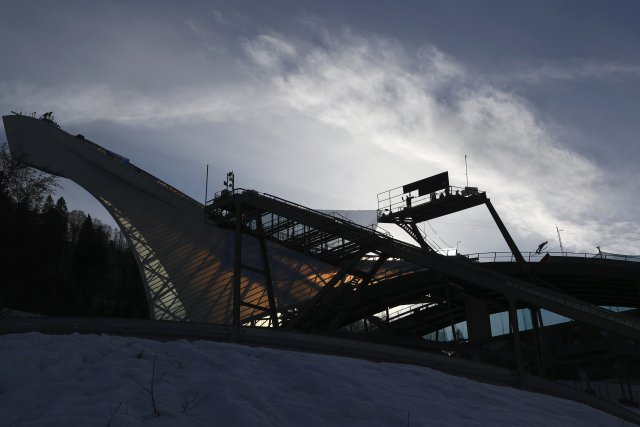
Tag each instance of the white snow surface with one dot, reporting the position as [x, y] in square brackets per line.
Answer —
[89, 380]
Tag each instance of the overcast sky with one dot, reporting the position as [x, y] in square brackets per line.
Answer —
[328, 103]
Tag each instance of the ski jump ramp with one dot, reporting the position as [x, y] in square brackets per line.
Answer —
[187, 265]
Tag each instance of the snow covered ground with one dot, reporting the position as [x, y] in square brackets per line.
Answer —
[84, 380]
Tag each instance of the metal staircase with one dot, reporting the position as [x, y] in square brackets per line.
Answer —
[329, 238]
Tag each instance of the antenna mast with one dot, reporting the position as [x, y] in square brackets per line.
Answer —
[206, 186]
[466, 169]
[560, 239]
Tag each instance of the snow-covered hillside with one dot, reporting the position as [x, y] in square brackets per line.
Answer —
[80, 380]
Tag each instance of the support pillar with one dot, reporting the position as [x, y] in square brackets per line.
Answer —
[418, 235]
[273, 312]
[450, 308]
[322, 293]
[478, 321]
[237, 267]
[364, 282]
[536, 321]
[515, 333]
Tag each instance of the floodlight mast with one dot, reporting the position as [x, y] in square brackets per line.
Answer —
[229, 182]
[559, 238]
[466, 169]
[206, 185]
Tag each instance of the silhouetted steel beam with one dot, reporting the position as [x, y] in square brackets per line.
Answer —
[507, 237]
[355, 295]
[339, 276]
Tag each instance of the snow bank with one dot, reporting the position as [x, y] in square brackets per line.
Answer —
[80, 380]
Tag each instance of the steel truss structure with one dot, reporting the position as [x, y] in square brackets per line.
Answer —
[344, 244]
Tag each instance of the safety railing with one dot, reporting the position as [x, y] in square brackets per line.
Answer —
[346, 223]
[476, 257]
[395, 200]
[536, 257]
[335, 218]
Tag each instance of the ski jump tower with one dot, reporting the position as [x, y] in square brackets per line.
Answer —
[248, 258]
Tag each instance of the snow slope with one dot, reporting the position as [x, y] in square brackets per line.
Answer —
[88, 380]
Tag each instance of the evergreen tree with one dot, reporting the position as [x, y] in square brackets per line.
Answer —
[53, 243]
[57, 262]
[76, 219]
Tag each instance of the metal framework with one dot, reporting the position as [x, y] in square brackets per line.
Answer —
[342, 244]
[259, 260]
[431, 198]
[161, 293]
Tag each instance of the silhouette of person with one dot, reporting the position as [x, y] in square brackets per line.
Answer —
[541, 246]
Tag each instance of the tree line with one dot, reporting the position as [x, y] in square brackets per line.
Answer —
[56, 262]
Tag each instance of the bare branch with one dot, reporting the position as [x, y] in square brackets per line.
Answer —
[23, 183]
[151, 391]
[190, 401]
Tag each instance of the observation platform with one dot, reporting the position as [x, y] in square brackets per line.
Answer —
[430, 198]
[395, 205]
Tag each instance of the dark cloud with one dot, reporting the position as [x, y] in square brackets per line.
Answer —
[330, 103]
